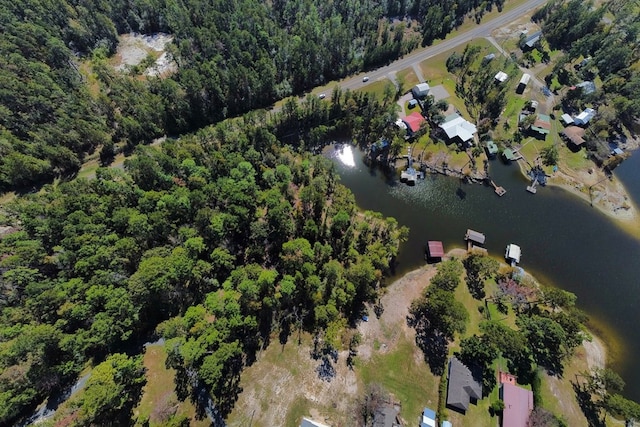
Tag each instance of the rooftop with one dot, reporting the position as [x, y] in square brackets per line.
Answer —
[414, 120]
[455, 126]
[474, 236]
[575, 134]
[518, 404]
[428, 418]
[462, 388]
[435, 249]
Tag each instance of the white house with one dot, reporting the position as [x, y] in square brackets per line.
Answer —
[525, 79]
[501, 77]
[584, 117]
[457, 127]
[420, 90]
[567, 119]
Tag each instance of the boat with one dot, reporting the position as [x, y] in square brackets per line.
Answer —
[512, 254]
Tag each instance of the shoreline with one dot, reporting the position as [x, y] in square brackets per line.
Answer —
[597, 349]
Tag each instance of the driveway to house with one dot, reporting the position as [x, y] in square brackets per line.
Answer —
[415, 58]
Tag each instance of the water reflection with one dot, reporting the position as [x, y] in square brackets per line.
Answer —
[344, 153]
[566, 242]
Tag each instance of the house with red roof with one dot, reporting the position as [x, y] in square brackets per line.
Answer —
[413, 122]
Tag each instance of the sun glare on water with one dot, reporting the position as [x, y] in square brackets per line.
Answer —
[345, 155]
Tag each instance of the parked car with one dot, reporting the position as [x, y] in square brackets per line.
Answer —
[365, 79]
[322, 96]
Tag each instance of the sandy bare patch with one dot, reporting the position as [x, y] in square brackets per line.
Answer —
[134, 48]
[379, 335]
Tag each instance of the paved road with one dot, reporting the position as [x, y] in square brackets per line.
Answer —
[480, 31]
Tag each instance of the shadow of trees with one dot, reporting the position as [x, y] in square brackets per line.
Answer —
[590, 409]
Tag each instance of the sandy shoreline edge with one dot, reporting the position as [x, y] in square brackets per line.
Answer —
[403, 290]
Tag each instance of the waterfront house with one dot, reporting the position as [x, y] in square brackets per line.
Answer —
[574, 136]
[421, 90]
[413, 122]
[518, 404]
[463, 388]
[458, 128]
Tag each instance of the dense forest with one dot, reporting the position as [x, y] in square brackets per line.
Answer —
[60, 100]
[216, 242]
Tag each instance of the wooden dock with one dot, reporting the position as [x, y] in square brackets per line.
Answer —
[500, 191]
[532, 188]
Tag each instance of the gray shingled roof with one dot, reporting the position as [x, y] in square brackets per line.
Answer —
[462, 387]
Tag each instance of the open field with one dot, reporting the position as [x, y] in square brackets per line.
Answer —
[282, 386]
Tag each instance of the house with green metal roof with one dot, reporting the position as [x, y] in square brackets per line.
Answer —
[542, 126]
[492, 148]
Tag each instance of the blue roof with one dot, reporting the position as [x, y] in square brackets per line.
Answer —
[429, 413]
[446, 424]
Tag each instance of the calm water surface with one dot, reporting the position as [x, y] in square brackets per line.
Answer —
[564, 241]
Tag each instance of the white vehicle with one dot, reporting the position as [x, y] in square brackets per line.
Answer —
[365, 79]
[322, 96]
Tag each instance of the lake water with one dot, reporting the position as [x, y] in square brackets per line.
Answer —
[564, 241]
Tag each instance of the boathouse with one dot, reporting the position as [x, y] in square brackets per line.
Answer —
[475, 240]
[434, 250]
[512, 254]
[492, 149]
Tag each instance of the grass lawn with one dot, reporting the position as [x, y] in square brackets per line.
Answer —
[409, 77]
[403, 372]
[158, 394]
[299, 409]
[377, 88]
[572, 160]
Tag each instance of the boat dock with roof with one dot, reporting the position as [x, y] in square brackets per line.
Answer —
[475, 240]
